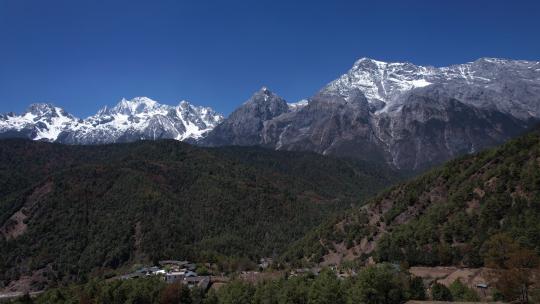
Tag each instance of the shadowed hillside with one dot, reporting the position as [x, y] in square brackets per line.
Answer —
[68, 210]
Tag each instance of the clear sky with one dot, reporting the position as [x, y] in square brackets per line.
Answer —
[82, 55]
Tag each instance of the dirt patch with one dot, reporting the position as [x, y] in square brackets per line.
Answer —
[520, 192]
[479, 192]
[472, 206]
[217, 285]
[432, 272]
[491, 184]
[332, 258]
[340, 226]
[466, 276]
[257, 277]
[35, 282]
[16, 226]
[405, 216]
[471, 277]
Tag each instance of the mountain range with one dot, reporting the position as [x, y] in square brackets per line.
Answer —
[130, 120]
[260, 182]
[408, 116]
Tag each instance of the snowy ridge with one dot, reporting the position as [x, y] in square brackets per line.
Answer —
[381, 80]
[387, 82]
[44, 121]
[298, 105]
[129, 120]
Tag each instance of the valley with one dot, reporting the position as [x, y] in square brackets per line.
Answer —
[462, 226]
[345, 184]
[86, 210]
[269, 152]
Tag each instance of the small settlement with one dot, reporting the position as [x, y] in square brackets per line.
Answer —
[173, 271]
[184, 272]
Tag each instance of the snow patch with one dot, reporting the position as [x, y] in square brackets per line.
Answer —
[419, 83]
[298, 105]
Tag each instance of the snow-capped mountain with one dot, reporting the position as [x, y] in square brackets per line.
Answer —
[380, 82]
[384, 83]
[406, 115]
[129, 120]
[409, 116]
[41, 121]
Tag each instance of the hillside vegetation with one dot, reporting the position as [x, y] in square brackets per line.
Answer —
[378, 284]
[445, 217]
[66, 211]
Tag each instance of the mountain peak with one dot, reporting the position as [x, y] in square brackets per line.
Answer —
[364, 61]
[263, 95]
[144, 100]
[264, 91]
[40, 108]
[135, 106]
[47, 110]
[184, 104]
[492, 60]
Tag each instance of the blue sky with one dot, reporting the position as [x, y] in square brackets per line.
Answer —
[82, 55]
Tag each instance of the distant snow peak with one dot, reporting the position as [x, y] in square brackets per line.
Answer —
[129, 120]
[43, 121]
[365, 60]
[135, 106]
[41, 108]
[184, 104]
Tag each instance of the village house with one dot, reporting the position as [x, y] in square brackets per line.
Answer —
[176, 276]
[177, 265]
[201, 282]
[265, 263]
[154, 270]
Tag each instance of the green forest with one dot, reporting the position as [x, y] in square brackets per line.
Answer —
[91, 212]
[446, 216]
[91, 209]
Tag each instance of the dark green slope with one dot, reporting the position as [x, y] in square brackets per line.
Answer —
[74, 209]
[443, 217]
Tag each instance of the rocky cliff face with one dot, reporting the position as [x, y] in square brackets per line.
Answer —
[409, 116]
[244, 126]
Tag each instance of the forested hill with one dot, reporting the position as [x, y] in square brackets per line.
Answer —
[68, 210]
[444, 217]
